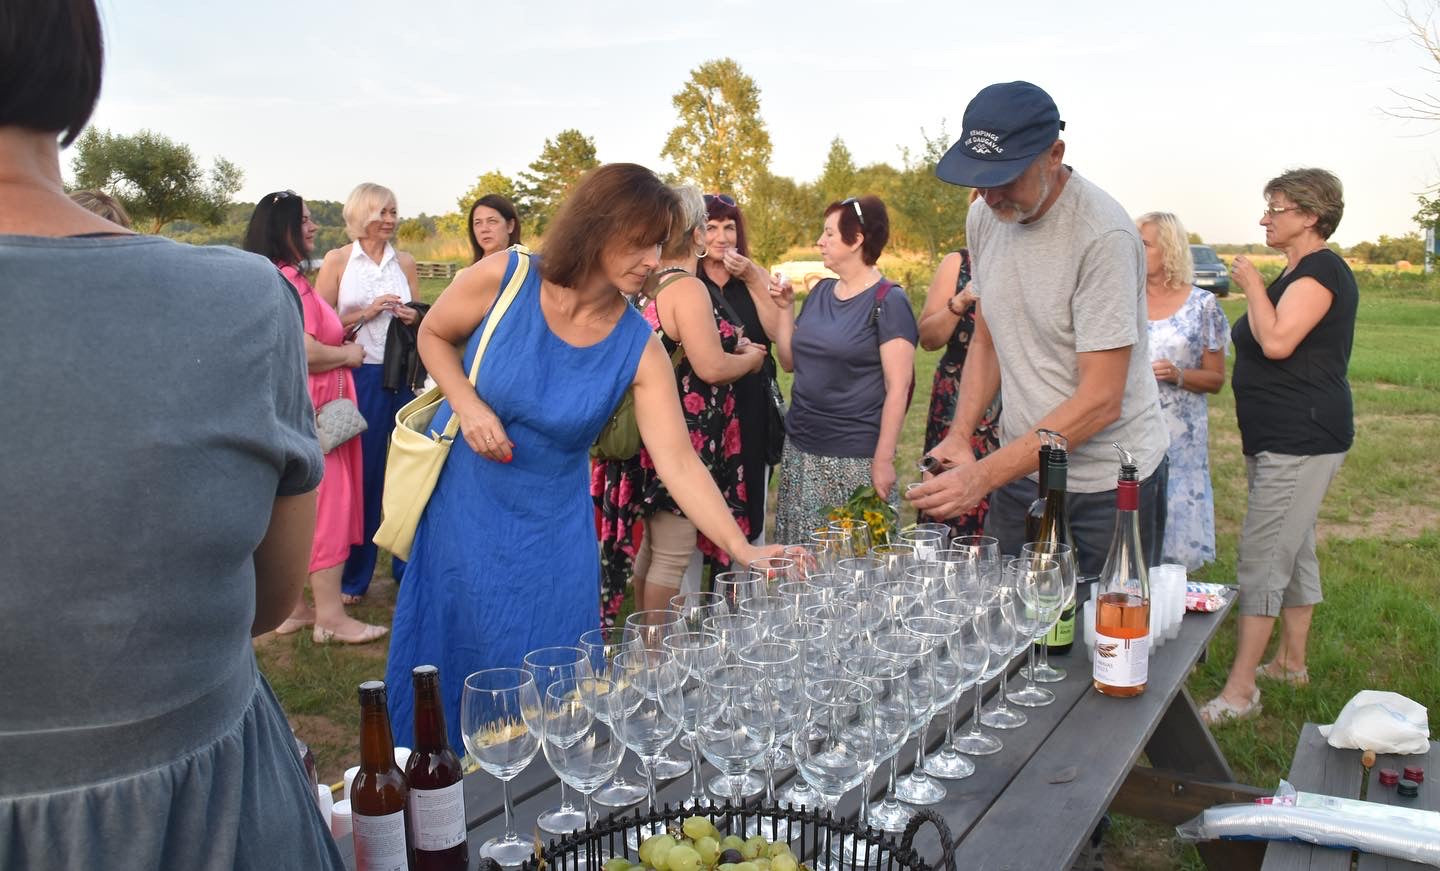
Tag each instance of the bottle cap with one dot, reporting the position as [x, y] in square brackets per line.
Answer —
[372, 691]
[1409, 788]
[1389, 777]
[1415, 773]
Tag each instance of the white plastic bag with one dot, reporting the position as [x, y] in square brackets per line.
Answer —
[1381, 721]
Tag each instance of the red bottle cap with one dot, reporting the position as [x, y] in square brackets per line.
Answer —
[1415, 773]
[1389, 777]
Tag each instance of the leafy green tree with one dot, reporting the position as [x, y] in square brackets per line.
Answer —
[157, 179]
[931, 213]
[720, 143]
[837, 179]
[779, 215]
[553, 174]
[1194, 238]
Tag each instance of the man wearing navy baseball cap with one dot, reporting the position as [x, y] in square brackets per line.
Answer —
[1060, 332]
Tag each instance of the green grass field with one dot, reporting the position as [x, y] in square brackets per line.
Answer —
[1379, 627]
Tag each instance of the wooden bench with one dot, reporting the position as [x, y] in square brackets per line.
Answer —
[435, 269]
[1320, 768]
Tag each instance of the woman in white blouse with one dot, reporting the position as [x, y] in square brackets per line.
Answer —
[370, 283]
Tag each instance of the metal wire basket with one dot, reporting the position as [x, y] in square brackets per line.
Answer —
[839, 845]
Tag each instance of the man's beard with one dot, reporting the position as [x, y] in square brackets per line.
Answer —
[1009, 213]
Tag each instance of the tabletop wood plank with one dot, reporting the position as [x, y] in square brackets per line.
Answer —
[1317, 767]
[1428, 799]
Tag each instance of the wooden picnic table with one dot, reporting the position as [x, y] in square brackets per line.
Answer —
[1034, 805]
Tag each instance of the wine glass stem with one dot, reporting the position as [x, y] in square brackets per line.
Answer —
[975, 717]
[950, 732]
[1030, 673]
[648, 763]
[890, 787]
[770, 776]
[695, 792]
[565, 804]
[1044, 654]
[509, 812]
[589, 808]
[918, 772]
[865, 798]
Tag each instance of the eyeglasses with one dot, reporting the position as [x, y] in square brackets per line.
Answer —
[1272, 211]
[277, 197]
[852, 201]
[724, 198]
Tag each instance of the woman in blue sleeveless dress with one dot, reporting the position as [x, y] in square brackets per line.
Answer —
[505, 558]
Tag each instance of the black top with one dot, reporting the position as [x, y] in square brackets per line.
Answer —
[1300, 405]
[750, 401]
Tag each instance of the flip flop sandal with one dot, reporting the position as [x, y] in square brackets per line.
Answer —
[1218, 710]
[1270, 671]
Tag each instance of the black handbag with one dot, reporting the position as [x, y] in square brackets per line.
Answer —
[775, 410]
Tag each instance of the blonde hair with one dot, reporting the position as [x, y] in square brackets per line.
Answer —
[103, 205]
[1174, 243]
[363, 207]
[689, 216]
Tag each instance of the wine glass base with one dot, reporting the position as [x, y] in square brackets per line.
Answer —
[1046, 673]
[977, 744]
[561, 820]
[851, 852]
[919, 790]
[772, 829]
[949, 765]
[1002, 718]
[890, 816]
[619, 794]
[666, 768]
[720, 787]
[799, 795]
[509, 852]
[1031, 697]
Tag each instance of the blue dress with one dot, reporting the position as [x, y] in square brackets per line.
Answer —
[1183, 338]
[505, 558]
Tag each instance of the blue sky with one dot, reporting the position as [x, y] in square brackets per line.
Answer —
[1167, 107]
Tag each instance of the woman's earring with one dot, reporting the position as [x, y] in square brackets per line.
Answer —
[700, 255]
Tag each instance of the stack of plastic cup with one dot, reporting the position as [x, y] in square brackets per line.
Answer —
[340, 823]
[1087, 620]
[1178, 580]
[326, 802]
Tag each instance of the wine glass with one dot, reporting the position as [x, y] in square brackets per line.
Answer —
[895, 558]
[912, 652]
[986, 551]
[927, 542]
[1042, 594]
[960, 570]
[975, 742]
[810, 640]
[872, 609]
[931, 578]
[648, 712]
[840, 622]
[576, 740]
[808, 558]
[836, 743]
[1044, 672]
[493, 716]
[942, 528]
[856, 532]
[888, 678]
[654, 626]
[828, 584]
[1007, 638]
[698, 654]
[945, 660]
[800, 595]
[860, 571]
[770, 612]
[696, 606]
[602, 646]
[902, 599]
[969, 611]
[736, 587]
[780, 667]
[829, 546]
[735, 631]
[549, 665]
[774, 571]
[735, 726]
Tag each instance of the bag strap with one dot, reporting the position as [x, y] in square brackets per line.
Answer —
[679, 353]
[492, 320]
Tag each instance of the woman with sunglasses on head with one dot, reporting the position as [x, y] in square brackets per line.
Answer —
[728, 271]
[370, 283]
[712, 355]
[492, 225]
[1296, 417]
[852, 349]
[282, 232]
[152, 533]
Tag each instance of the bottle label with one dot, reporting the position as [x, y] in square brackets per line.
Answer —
[437, 817]
[380, 842]
[1121, 662]
[1063, 632]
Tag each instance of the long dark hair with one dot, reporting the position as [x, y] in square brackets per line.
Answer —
[506, 210]
[274, 232]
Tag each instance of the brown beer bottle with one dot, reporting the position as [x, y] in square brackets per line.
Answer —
[377, 797]
[437, 796]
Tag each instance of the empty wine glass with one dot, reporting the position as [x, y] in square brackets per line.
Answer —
[549, 665]
[941, 528]
[809, 639]
[780, 667]
[830, 586]
[836, 743]
[839, 621]
[735, 631]
[654, 626]
[911, 652]
[975, 741]
[808, 558]
[830, 545]
[577, 742]
[602, 646]
[493, 712]
[648, 712]
[1007, 638]
[770, 612]
[895, 558]
[801, 595]
[1044, 672]
[959, 569]
[1042, 594]
[774, 571]
[859, 571]
[888, 678]
[927, 542]
[697, 606]
[735, 587]
[969, 611]
[986, 551]
[735, 726]
[857, 534]
[698, 654]
[945, 659]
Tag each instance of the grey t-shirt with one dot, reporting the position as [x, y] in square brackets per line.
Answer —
[839, 388]
[1069, 283]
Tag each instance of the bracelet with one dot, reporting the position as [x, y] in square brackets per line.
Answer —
[1180, 378]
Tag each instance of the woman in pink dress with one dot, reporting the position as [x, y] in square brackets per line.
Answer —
[281, 230]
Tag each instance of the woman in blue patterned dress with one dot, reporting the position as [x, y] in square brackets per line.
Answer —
[1188, 333]
[505, 557]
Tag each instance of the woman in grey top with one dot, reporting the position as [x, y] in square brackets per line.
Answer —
[159, 460]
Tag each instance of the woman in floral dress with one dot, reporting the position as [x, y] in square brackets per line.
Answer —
[1188, 333]
[949, 320]
[713, 353]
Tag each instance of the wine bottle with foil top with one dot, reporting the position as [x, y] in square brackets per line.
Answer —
[434, 774]
[1122, 612]
[1036, 511]
[379, 792]
[1054, 528]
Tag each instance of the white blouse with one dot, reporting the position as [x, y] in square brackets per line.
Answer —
[362, 281]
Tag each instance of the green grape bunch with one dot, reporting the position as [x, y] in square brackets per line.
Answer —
[696, 845]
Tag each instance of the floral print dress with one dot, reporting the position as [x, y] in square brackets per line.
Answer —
[628, 491]
[1183, 338]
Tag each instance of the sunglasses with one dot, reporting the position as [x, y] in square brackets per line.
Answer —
[852, 201]
[724, 198]
[277, 197]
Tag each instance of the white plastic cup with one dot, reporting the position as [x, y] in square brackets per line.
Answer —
[340, 822]
[349, 779]
[326, 800]
[1087, 620]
